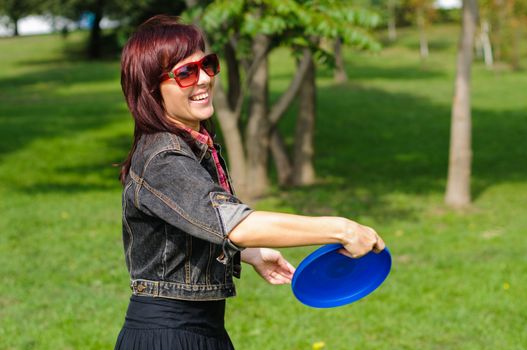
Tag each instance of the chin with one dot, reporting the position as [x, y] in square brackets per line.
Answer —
[204, 115]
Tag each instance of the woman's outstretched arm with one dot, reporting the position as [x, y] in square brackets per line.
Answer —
[270, 229]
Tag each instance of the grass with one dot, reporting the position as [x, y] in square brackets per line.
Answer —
[458, 279]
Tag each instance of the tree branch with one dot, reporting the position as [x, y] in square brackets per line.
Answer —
[287, 97]
[233, 71]
[249, 77]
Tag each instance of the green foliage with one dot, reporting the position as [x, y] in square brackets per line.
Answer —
[451, 16]
[507, 20]
[290, 23]
[130, 14]
[17, 9]
[410, 8]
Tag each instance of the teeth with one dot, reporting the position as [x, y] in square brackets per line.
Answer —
[199, 97]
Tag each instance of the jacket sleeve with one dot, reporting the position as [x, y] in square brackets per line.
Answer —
[178, 190]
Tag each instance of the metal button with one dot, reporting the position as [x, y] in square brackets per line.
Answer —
[207, 155]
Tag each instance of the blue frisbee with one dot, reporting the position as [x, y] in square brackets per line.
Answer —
[326, 278]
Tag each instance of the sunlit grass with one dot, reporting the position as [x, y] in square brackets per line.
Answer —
[458, 279]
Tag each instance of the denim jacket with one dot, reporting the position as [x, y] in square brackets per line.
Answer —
[176, 219]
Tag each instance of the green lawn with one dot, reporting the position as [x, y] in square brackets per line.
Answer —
[459, 280]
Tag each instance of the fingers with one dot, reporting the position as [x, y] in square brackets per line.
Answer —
[273, 267]
[285, 270]
[286, 267]
[283, 265]
[379, 245]
[361, 241]
[276, 277]
[345, 252]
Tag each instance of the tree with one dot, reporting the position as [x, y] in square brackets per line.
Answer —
[303, 168]
[389, 12]
[502, 23]
[246, 31]
[392, 26]
[484, 45]
[460, 157]
[340, 71]
[130, 13]
[517, 15]
[422, 13]
[17, 9]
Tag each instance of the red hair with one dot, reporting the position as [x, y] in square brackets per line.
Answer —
[155, 48]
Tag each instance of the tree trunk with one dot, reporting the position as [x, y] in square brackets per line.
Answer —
[392, 31]
[423, 41]
[284, 168]
[15, 29]
[498, 29]
[340, 71]
[258, 127]
[191, 3]
[233, 142]
[278, 149]
[516, 47]
[460, 157]
[233, 74]
[485, 42]
[303, 169]
[95, 32]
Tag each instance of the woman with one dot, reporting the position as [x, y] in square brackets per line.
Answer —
[184, 231]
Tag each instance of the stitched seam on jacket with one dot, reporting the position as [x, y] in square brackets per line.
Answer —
[187, 261]
[129, 229]
[175, 142]
[207, 274]
[184, 286]
[216, 207]
[138, 181]
[165, 253]
[136, 194]
[153, 155]
[224, 274]
[172, 205]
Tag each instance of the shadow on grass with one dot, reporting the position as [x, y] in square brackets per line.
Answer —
[433, 45]
[371, 145]
[62, 73]
[362, 71]
[42, 104]
[59, 102]
[87, 175]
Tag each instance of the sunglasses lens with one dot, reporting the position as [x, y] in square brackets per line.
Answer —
[187, 75]
[211, 65]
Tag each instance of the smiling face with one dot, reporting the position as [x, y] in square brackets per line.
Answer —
[192, 104]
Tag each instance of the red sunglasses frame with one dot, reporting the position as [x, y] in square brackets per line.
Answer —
[173, 74]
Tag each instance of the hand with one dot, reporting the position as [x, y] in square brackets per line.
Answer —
[359, 240]
[269, 264]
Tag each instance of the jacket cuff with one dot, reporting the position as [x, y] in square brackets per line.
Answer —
[229, 251]
[231, 211]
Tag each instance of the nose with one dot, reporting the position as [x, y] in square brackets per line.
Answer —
[204, 78]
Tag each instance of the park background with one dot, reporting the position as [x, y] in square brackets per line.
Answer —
[381, 141]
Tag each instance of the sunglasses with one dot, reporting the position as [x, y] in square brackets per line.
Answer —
[188, 74]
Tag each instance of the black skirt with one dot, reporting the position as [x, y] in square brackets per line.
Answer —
[163, 324]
